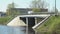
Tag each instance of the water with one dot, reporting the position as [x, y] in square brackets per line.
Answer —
[14, 30]
[30, 31]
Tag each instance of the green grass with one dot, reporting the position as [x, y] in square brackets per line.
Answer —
[52, 26]
[5, 20]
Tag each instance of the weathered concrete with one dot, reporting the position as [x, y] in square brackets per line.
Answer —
[40, 22]
[16, 22]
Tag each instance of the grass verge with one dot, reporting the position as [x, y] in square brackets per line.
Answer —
[52, 26]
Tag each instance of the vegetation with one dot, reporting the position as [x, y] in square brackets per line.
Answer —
[37, 4]
[36, 10]
[10, 14]
[5, 20]
[9, 10]
[52, 26]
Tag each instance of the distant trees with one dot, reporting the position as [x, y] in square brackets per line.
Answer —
[12, 5]
[37, 4]
[9, 11]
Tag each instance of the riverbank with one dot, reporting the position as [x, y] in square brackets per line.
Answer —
[5, 20]
[52, 26]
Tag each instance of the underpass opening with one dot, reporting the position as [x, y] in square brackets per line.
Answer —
[31, 21]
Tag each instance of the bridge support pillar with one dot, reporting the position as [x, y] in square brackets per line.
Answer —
[26, 25]
[35, 24]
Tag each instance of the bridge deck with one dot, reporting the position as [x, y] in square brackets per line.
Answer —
[43, 15]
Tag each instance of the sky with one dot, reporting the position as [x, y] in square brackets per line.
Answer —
[25, 4]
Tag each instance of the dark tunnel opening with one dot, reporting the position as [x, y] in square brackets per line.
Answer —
[24, 19]
[31, 21]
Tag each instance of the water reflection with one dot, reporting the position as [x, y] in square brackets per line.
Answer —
[30, 31]
[12, 30]
[15, 30]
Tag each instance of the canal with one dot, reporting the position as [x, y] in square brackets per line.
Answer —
[15, 30]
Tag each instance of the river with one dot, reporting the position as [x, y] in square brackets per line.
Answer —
[15, 30]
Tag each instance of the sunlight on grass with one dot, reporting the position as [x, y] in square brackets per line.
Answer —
[51, 26]
[4, 20]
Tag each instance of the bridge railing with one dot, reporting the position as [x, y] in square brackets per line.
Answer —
[43, 21]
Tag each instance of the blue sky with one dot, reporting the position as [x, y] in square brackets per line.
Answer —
[24, 4]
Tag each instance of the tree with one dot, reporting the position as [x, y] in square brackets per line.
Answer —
[12, 5]
[37, 4]
[9, 11]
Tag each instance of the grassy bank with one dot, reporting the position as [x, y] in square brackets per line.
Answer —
[52, 26]
[5, 20]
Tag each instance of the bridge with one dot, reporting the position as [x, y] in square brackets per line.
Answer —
[28, 20]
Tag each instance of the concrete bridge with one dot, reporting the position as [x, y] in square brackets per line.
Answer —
[28, 20]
